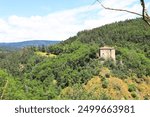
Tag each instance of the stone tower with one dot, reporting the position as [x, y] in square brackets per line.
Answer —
[107, 53]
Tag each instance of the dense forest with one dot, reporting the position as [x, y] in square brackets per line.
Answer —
[71, 69]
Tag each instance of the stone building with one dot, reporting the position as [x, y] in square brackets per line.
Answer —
[107, 53]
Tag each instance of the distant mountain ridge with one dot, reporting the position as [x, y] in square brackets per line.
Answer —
[27, 43]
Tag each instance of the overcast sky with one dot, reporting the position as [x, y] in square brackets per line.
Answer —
[22, 20]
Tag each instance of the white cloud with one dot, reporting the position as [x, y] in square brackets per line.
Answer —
[61, 25]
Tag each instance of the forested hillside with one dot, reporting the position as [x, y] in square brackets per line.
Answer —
[71, 69]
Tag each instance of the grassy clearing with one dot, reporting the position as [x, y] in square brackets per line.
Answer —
[45, 54]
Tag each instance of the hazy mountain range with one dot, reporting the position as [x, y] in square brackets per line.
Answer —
[27, 43]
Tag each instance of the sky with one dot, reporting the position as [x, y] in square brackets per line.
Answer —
[23, 20]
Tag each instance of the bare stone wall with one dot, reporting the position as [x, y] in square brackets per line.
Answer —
[113, 54]
[107, 53]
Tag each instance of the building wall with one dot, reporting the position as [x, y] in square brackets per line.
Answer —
[107, 54]
[113, 54]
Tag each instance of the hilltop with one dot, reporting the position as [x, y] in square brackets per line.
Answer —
[75, 72]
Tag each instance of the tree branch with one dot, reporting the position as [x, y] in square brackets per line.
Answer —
[144, 14]
[117, 9]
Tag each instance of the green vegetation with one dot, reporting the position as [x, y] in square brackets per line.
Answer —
[45, 54]
[131, 87]
[71, 69]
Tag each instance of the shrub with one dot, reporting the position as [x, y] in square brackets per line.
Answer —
[104, 96]
[134, 95]
[107, 75]
[146, 97]
[105, 83]
[131, 87]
